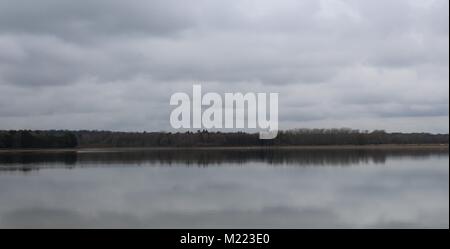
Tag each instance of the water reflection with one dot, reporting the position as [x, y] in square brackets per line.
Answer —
[205, 157]
[384, 189]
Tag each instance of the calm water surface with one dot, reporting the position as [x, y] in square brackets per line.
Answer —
[283, 188]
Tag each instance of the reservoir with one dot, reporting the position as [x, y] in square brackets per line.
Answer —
[226, 188]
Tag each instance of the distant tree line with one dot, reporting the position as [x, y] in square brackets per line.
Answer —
[38, 139]
[90, 139]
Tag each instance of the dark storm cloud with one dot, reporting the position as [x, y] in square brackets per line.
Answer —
[334, 63]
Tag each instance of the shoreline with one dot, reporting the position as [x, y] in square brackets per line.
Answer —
[296, 147]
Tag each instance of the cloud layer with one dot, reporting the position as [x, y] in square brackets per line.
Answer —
[114, 64]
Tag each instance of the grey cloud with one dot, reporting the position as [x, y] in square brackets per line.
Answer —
[81, 20]
[343, 59]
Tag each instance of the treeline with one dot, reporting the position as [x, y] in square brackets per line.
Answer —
[99, 139]
[38, 139]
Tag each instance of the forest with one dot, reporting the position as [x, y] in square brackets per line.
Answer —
[27, 139]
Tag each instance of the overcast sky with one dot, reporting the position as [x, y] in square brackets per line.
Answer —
[105, 64]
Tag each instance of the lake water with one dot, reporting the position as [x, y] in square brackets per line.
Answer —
[232, 188]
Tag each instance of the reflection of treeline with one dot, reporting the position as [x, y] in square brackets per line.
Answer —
[70, 139]
[207, 157]
[283, 156]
